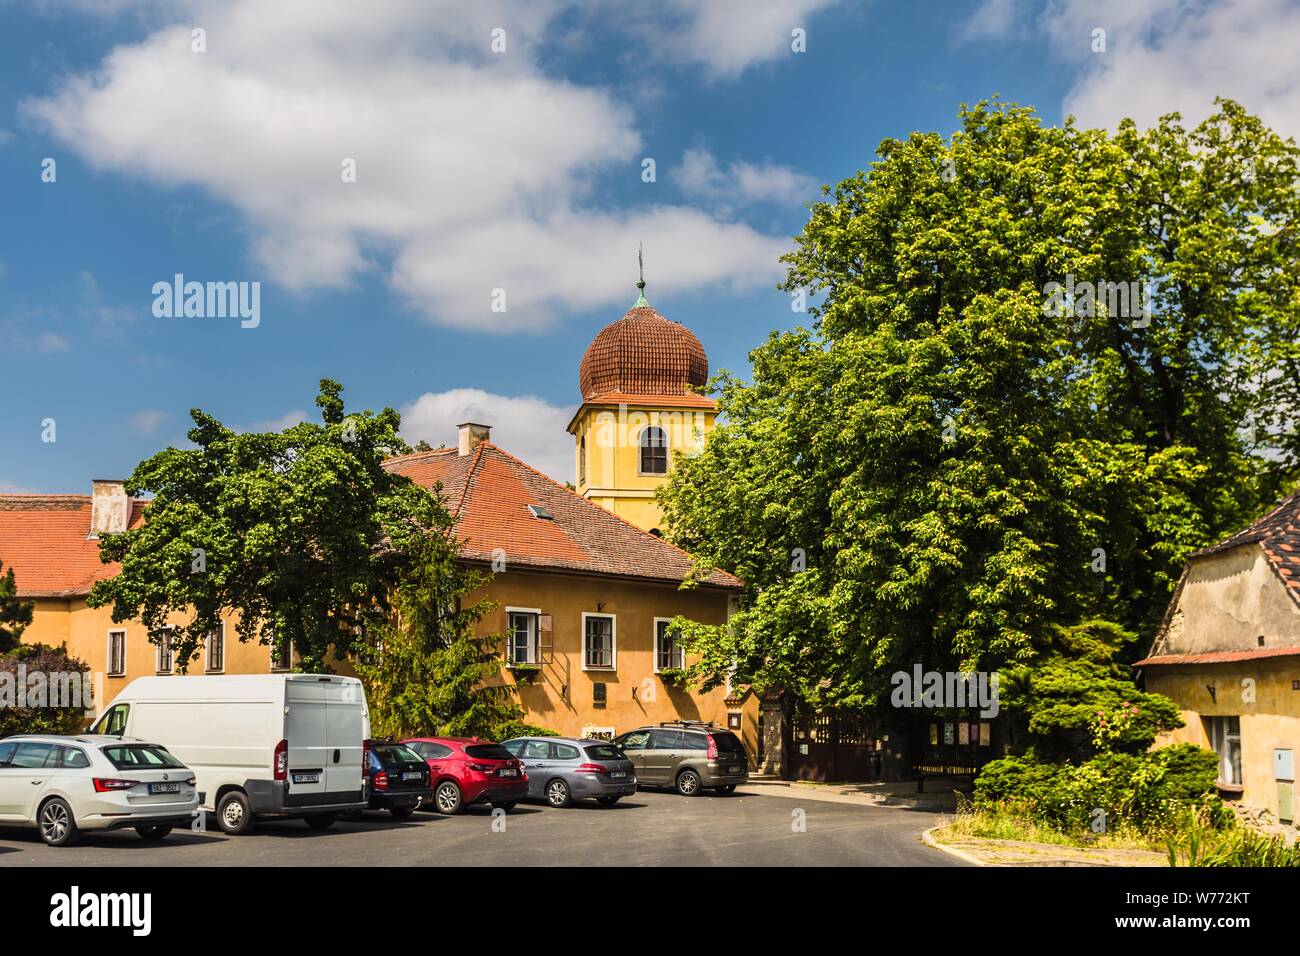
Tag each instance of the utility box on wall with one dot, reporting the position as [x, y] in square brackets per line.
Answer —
[1284, 774]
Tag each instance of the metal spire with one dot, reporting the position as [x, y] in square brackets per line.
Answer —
[640, 264]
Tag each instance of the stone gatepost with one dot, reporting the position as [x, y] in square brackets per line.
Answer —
[776, 732]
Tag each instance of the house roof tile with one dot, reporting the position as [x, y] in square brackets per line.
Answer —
[45, 539]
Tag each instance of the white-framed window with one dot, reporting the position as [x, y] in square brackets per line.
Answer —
[654, 451]
[1225, 739]
[281, 654]
[522, 637]
[599, 642]
[116, 653]
[166, 662]
[668, 649]
[215, 643]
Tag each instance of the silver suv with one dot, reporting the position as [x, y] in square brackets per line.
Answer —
[687, 755]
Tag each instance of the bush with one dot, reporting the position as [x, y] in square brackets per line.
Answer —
[40, 659]
[1146, 790]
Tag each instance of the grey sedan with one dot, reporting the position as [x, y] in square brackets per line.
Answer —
[563, 769]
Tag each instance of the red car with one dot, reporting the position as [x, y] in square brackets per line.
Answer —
[466, 770]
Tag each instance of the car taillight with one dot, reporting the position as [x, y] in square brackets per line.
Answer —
[365, 758]
[713, 749]
[482, 767]
[103, 785]
[190, 781]
[281, 761]
[380, 780]
[592, 768]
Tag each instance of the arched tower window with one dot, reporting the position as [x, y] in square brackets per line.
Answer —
[654, 451]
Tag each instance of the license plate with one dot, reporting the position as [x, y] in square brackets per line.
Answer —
[164, 788]
[413, 776]
[733, 770]
[618, 774]
[508, 773]
[306, 778]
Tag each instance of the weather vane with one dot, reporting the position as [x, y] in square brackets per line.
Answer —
[640, 265]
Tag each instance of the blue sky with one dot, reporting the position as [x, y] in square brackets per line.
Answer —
[478, 170]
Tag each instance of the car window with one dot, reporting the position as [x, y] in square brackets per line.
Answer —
[565, 752]
[6, 753]
[695, 741]
[603, 752]
[436, 751]
[140, 757]
[728, 743]
[73, 758]
[537, 750]
[514, 746]
[488, 752]
[666, 740]
[31, 756]
[395, 753]
[636, 740]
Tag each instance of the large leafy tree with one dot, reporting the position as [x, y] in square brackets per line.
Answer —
[302, 532]
[425, 668]
[952, 462]
[15, 613]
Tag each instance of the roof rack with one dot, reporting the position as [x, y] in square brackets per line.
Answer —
[705, 724]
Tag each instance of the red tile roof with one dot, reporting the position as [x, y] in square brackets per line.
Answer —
[1218, 657]
[1278, 533]
[44, 539]
[643, 353]
[489, 491]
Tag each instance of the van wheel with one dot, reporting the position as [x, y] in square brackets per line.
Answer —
[557, 793]
[234, 814]
[688, 783]
[447, 798]
[153, 833]
[321, 821]
[58, 828]
[403, 811]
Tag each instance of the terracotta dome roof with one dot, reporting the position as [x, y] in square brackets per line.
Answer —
[643, 353]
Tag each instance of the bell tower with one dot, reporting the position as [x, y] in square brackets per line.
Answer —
[640, 381]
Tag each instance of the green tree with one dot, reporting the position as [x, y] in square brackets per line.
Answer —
[959, 456]
[425, 669]
[56, 668]
[302, 532]
[15, 614]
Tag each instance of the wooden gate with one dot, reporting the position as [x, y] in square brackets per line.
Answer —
[832, 747]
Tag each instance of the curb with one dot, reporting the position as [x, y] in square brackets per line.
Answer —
[928, 838]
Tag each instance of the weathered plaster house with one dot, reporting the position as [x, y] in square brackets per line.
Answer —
[1228, 653]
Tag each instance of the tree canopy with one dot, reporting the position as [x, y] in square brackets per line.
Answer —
[1045, 364]
[15, 614]
[302, 532]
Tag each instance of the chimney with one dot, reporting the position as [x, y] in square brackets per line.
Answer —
[471, 436]
[110, 508]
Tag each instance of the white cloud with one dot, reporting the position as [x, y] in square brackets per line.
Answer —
[992, 18]
[147, 420]
[51, 342]
[9, 488]
[528, 428]
[729, 36]
[701, 176]
[472, 167]
[1164, 56]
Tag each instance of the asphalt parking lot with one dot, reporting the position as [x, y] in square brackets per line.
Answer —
[651, 828]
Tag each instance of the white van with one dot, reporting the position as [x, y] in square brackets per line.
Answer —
[260, 745]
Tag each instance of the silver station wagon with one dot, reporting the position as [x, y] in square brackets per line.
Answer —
[563, 769]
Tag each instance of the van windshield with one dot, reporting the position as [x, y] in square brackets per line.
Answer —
[140, 757]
